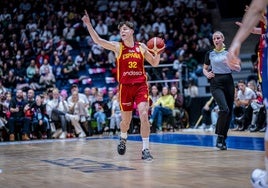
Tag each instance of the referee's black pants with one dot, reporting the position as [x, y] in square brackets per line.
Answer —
[222, 89]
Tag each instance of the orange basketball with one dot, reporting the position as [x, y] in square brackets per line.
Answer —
[156, 45]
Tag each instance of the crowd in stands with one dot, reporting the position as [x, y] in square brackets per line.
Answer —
[54, 80]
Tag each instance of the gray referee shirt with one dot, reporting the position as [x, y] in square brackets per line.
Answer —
[217, 60]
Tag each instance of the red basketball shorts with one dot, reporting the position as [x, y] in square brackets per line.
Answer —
[132, 93]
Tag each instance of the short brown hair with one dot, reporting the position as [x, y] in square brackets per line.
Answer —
[127, 23]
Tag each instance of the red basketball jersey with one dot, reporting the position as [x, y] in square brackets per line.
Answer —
[130, 65]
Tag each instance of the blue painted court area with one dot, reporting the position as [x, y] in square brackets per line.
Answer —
[198, 140]
[233, 142]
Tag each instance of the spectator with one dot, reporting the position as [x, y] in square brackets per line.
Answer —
[47, 79]
[45, 34]
[242, 103]
[33, 76]
[142, 36]
[99, 109]
[115, 118]
[206, 28]
[154, 94]
[40, 59]
[258, 108]
[102, 29]
[57, 69]
[80, 60]
[3, 89]
[9, 80]
[192, 89]
[179, 113]
[70, 70]
[159, 26]
[17, 121]
[4, 111]
[56, 110]
[163, 107]
[114, 36]
[77, 113]
[40, 120]
[68, 32]
[44, 66]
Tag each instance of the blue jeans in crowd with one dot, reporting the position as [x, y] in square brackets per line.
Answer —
[101, 119]
[23, 122]
[158, 114]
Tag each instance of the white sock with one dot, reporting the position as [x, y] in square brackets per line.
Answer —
[145, 143]
[123, 135]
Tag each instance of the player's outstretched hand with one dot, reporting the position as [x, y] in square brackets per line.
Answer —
[233, 60]
[85, 18]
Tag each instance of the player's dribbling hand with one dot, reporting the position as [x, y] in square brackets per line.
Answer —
[157, 51]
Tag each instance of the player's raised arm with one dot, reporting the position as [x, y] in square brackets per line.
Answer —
[249, 21]
[109, 45]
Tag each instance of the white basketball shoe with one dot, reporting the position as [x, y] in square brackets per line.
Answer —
[258, 178]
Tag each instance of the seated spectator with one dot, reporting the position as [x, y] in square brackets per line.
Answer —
[99, 109]
[44, 66]
[39, 119]
[56, 110]
[80, 60]
[3, 89]
[114, 36]
[77, 113]
[17, 119]
[41, 58]
[33, 76]
[68, 32]
[47, 79]
[20, 73]
[163, 107]
[82, 97]
[142, 35]
[86, 105]
[179, 113]
[102, 29]
[242, 104]
[258, 117]
[57, 69]
[192, 89]
[115, 118]
[63, 47]
[70, 70]
[9, 80]
[154, 94]
[3, 115]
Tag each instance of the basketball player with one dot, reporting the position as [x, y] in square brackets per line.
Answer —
[132, 79]
[259, 178]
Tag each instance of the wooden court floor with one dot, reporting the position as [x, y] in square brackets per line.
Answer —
[94, 162]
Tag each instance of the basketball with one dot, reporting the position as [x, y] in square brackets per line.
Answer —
[156, 45]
